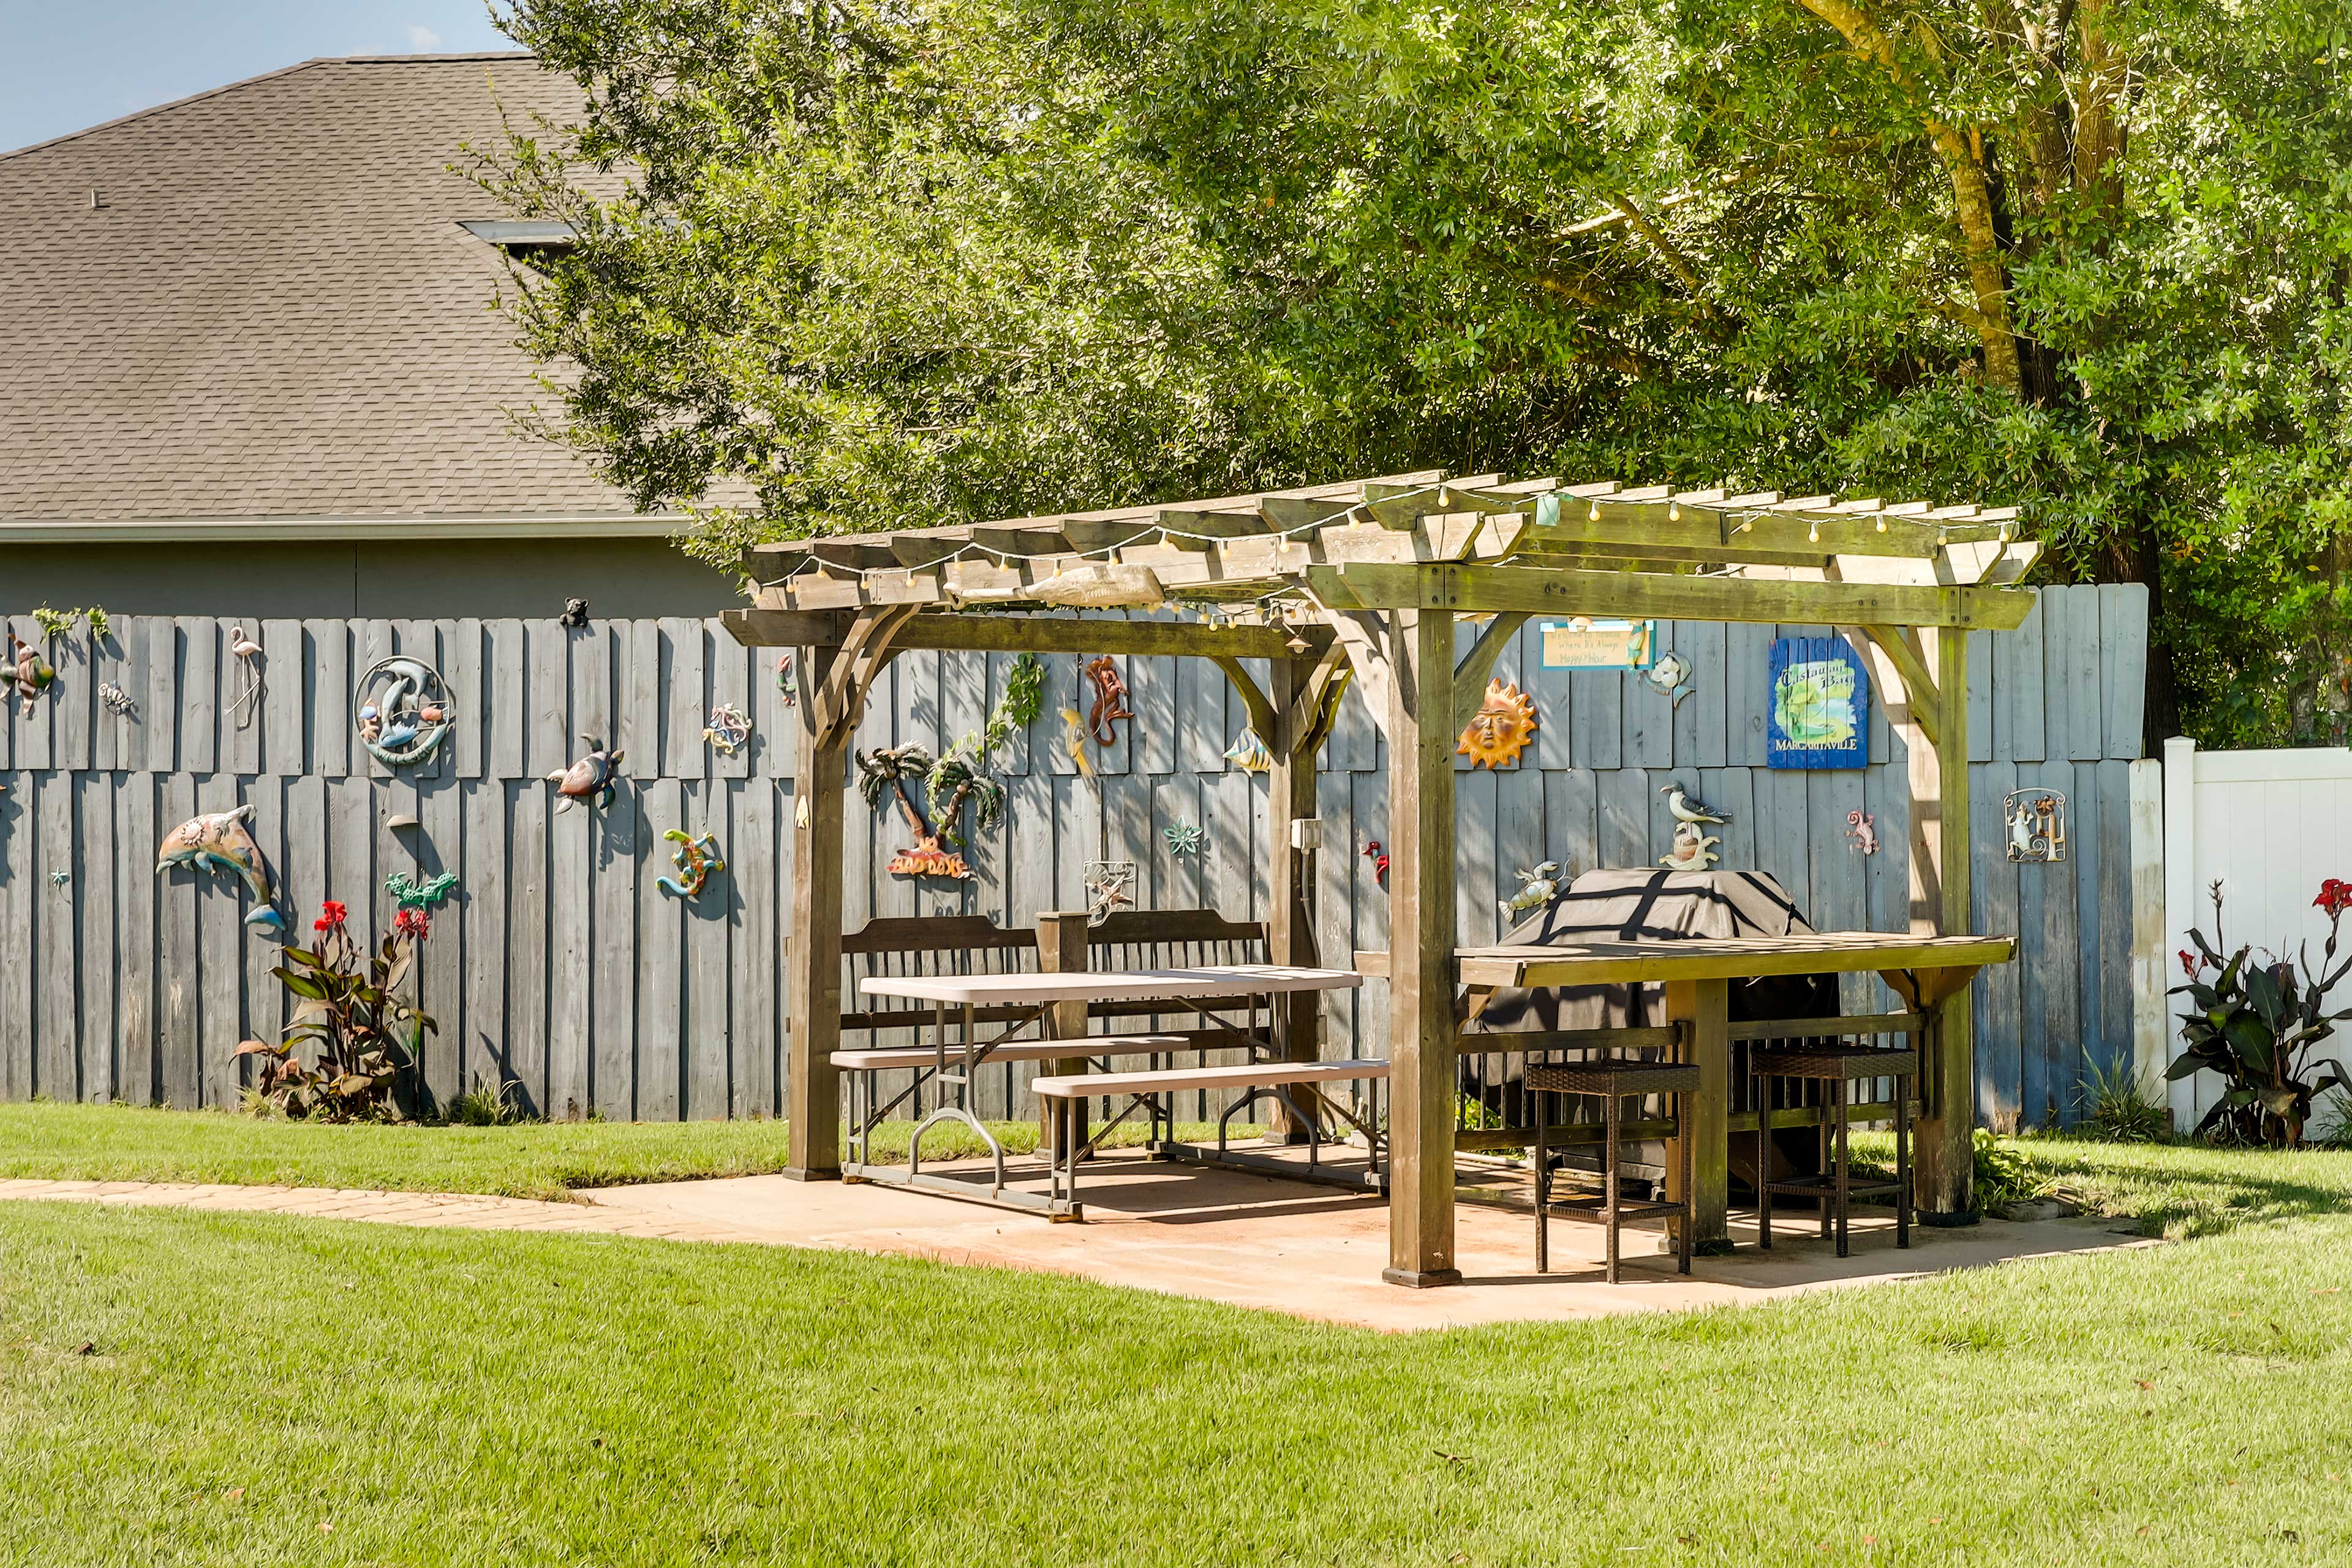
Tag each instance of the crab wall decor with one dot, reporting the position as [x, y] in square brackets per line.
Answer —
[1539, 886]
[593, 777]
[727, 728]
[695, 856]
[2036, 819]
[409, 894]
[403, 722]
[1501, 729]
[1111, 700]
[1108, 885]
[223, 842]
[1184, 838]
[1250, 753]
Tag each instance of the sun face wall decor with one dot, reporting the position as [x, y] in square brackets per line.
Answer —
[1501, 729]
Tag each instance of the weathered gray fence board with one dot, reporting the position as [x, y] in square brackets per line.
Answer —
[560, 964]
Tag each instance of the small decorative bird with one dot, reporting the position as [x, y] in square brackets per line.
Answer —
[1686, 809]
[1379, 859]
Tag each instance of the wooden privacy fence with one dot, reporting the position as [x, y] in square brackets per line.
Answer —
[560, 965]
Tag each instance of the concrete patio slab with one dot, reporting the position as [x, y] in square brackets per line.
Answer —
[1316, 1252]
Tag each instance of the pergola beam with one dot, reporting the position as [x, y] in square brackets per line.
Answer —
[1636, 596]
[1029, 634]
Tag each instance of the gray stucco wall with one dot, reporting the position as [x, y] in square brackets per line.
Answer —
[387, 579]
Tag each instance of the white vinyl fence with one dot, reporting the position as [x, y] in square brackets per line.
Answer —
[2269, 826]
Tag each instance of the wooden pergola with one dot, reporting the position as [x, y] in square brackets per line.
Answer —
[1363, 581]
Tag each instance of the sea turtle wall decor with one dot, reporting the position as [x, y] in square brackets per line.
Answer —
[1501, 729]
[1250, 753]
[593, 777]
[424, 895]
[223, 842]
[403, 709]
[727, 728]
[695, 856]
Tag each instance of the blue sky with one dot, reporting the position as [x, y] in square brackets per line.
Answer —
[68, 64]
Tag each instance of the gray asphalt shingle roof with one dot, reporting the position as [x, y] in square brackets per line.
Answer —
[274, 310]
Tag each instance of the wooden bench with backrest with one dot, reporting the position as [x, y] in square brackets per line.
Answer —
[893, 1071]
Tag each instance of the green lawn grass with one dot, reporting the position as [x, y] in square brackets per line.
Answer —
[528, 1160]
[455, 1397]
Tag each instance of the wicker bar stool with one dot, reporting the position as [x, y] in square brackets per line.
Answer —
[1615, 1081]
[1837, 1068]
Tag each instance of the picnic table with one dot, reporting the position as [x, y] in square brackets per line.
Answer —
[957, 1050]
[1696, 975]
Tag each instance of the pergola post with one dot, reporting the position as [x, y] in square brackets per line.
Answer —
[1290, 882]
[835, 681]
[813, 951]
[1945, 1167]
[1422, 1023]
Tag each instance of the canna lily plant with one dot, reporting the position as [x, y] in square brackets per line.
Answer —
[350, 1014]
[2258, 1025]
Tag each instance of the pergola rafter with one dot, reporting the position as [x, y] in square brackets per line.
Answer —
[1361, 582]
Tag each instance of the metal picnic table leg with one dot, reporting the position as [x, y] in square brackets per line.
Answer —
[1703, 1007]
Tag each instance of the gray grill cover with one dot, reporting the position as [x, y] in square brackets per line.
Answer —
[1656, 906]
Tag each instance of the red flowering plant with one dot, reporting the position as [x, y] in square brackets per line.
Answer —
[2258, 1026]
[350, 1017]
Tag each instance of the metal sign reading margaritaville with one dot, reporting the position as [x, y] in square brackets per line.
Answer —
[1586, 644]
[1818, 715]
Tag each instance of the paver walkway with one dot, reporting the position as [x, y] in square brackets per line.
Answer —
[463, 1210]
[1223, 1236]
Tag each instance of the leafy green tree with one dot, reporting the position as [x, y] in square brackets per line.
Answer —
[852, 266]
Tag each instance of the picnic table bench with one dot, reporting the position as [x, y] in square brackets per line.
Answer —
[959, 1003]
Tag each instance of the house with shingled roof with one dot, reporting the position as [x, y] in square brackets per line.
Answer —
[248, 357]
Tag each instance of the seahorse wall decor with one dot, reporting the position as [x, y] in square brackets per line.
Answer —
[224, 843]
[695, 856]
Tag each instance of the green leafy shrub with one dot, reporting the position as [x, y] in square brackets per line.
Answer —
[2004, 1176]
[2119, 1109]
[2258, 1026]
[350, 1014]
[487, 1105]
